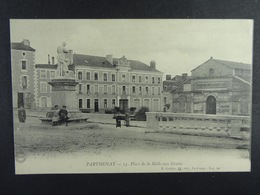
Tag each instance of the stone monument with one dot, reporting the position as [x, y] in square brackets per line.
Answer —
[64, 84]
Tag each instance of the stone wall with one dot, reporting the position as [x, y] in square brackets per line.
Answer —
[198, 124]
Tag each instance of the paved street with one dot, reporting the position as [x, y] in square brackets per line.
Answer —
[104, 142]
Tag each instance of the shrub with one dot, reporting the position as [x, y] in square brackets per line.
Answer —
[85, 110]
[109, 111]
[140, 115]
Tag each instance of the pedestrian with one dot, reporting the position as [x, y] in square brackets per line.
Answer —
[55, 116]
[63, 114]
[21, 114]
[127, 118]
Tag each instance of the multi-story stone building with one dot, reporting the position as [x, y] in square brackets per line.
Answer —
[106, 82]
[23, 68]
[215, 87]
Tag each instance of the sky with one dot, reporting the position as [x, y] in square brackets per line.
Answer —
[177, 45]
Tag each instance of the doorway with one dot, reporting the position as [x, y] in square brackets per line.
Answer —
[211, 105]
[20, 99]
[123, 104]
[96, 107]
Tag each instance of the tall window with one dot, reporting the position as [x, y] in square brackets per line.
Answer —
[52, 74]
[133, 89]
[165, 100]
[96, 89]
[113, 89]
[43, 74]
[153, 80]
[88, 75]
[88, 89]
[80, 75]
[105, 76]
[133, 78]
[88, 103]
[113, 77]
[113, 103]
[105, 103]
[96, 76]
[24, 82]
[153, 90]
[159, 90]
[80, 89]
[44, 101]
[80, 103]
[123, 78]
[123, 90]
[140, 90]
[146, 79]
[146, 90]
[140, 79]
[159, 80]
[24, 65]
[43, 87]
[105, 89]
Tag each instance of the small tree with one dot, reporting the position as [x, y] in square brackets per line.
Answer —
[140, 115]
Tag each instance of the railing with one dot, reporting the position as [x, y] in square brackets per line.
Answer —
[204, 124]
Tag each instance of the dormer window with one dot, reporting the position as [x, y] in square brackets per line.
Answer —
[211, 72]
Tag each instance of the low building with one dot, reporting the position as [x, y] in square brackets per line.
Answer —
[215, 87]
[23, 68]
[169, 85]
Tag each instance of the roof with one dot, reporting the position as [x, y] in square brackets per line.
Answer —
[21, 46]
[235, 65]
[48, 66]
[229, 64]
[97, 61]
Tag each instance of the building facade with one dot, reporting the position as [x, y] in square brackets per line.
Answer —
[44, 73]
[23, 68]
[106, 82]
[215, 87]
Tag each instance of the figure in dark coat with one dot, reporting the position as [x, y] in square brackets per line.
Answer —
[63, 114]
[21, 114]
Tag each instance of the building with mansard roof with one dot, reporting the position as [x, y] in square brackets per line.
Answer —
[215, 87]
[106, 82]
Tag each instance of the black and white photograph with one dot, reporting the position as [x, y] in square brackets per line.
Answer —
[131, 95]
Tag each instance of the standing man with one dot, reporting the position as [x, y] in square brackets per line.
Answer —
[21, 114]
[63, 115]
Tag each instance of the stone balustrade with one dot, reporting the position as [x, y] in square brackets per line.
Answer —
[198, 124]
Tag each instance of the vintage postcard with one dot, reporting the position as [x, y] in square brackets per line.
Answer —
[131, 95]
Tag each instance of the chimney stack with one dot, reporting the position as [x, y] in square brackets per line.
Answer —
[153, 64]
[49, 62]
[168, 77]
[184, 76]
[52, 60]
[26, 42]
[109, 58]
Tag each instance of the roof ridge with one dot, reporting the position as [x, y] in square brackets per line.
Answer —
[231, 61]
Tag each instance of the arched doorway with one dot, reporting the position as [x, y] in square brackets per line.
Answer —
[211, 105]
